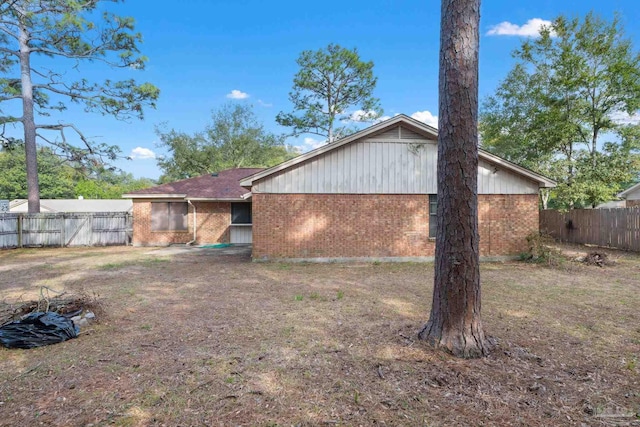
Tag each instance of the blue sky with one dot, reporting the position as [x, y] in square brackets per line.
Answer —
[203, 54]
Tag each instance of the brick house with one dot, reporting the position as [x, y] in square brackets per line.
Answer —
[211, 208]
[631, 196]
[372, 195]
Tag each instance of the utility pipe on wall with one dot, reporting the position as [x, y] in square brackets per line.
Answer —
[195, 223]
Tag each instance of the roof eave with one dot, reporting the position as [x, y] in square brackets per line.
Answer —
[154, 196]
[542, 180]
[216, 199]
[625, 193]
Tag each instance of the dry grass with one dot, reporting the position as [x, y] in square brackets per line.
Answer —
[201, 340]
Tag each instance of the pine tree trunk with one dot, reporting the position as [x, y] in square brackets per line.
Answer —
[28, 122]
[455, 323]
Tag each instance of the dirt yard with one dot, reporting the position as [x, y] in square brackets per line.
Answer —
[194, 339]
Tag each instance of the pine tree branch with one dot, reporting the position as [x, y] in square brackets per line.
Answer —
[7, 32]
[61, 127]
[9, 51]
[68, 92]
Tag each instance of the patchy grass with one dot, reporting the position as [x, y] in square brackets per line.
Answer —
[145, 262]
[202, 340]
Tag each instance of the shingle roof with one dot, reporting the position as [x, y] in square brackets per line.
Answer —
[226, 185]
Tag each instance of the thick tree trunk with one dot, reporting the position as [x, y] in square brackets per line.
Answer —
[28, 122]
[455, 323]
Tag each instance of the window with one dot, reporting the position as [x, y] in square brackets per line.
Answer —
[433, 210]
[240, 213]
[169, 216]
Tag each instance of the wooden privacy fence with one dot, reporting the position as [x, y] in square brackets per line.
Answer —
[19, 230]
[616, 228]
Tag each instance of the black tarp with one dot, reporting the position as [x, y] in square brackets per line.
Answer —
[37, 329]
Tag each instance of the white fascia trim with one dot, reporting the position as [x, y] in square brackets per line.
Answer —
[154, 196]
[625, 193]
[212, 199]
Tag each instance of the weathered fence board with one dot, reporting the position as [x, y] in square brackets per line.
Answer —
[9, 233]
[616, 228]
[65, 229]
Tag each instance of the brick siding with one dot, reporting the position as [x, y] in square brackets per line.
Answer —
[213, 225]
[504, 221]
[633, 203]
[347, 225]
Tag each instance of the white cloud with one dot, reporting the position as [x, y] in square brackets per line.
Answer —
[426, 117]
[237, 94]
[264, 104]
[362, 116]
[622, 118]
[314, 143]
[309, 144]
[142, 153]
[530, 29]
[382, 119]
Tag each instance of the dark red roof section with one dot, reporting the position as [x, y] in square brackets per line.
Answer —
[224, 186]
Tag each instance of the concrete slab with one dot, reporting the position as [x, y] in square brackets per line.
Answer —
[234, 250]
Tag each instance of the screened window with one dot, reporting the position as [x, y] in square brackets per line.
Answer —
[169, 216]
[240, 213]
[433, 209]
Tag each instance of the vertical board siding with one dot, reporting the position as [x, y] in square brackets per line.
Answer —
[69, 229]
[615, 228]
[384, 167]
[409, 134]
[240, 234]
[393, 133]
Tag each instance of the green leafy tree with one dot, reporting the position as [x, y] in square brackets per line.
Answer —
[59, 179]
[556, 112]
[234, 139]
[104, 183]
[56, 177]
[329, 83]
[71, 32]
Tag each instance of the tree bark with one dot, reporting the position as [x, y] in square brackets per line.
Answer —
[28, 121]
[455, 323]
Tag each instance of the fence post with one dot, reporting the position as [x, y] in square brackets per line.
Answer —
[19, 230]
[62, 227]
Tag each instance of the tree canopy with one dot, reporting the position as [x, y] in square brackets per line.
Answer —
[70, 32]
[561, 110]
[329, 83]
[56, 177]
[59, 179]
[233, 139]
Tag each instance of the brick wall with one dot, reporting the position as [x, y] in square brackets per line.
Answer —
[213, 225]
[633, 203]
[504, 221]
[343, 225]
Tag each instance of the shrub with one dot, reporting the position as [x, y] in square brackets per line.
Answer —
[541, 251]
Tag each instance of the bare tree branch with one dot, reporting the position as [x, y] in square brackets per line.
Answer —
[9, 51]
[61, 127]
